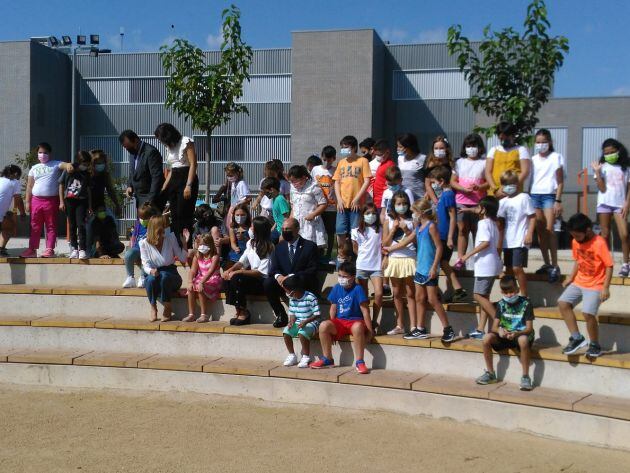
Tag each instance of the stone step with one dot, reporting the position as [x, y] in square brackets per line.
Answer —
[569, 415]
[550, 368]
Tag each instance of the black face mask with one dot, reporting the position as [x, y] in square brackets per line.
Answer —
[287, 235]
[507, 143]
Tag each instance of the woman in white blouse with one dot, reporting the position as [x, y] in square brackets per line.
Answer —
[158, 252]
[182, 184]
[247, 276]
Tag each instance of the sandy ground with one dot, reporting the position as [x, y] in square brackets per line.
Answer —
[48, 430]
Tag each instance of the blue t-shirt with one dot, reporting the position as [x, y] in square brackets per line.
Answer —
[426, 250]
[348, 301]
[445, 202]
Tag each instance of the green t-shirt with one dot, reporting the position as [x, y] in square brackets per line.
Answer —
[513, 317]
[279, 208]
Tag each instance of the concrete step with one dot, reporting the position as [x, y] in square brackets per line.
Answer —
[569, 415]
[550, 368]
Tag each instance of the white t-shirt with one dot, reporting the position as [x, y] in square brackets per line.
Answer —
[238, 192]
[408, 251]
[487, 262]
[177, 157]
[515, 210]
[46, 178]
[369, 256]
[616, 185]
[8, 189]
[412, 171]
[250, 260]
[388, 194]
[544, 178]
[523, 153]
[374, 164]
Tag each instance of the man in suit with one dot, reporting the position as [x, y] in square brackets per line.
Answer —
[294, 256]
[146, 172]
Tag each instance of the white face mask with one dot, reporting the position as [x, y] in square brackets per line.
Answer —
[401, 209]
[203, 249]
[250, 232]
[439, 153]
[344, 152]
[369, 219]
[401, 153]
[232, 178]
[472, 151]
[378, 158]
[541, 148]
[344, 282]
[240, 219]
[510, 189]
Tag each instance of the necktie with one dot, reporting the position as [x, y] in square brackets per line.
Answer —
[291, 252]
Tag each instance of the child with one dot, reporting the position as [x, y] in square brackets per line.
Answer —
[516, 216]
[280, 208]
[349, 315]
[303, 321]
[366, 148]
[441, 155]
[367, 239]
[10, 192]
[428, 258]
[352, 179]
[446, 218]
[101, 181]
[394, 179]
[236, 187]
[204, 279]
[323, 175]
[487, 262]
[613, 197]
[546, 193]
[307, 205]
[508, 156]
[469, 183]
[42, 201]
[132, 255]
[273, 168]
[106, 235]
[345, 253]
[312, 161]
[383, 159]
[589, 282]
[401, 265]
[239, 232]
[411, 163]
[75, 193]
[512, 328]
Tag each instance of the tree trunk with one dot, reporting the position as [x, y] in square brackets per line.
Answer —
[208, 172]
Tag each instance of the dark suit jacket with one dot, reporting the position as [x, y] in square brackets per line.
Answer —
[147, 176]
[304, 263]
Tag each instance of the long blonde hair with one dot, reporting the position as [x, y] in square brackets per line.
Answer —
[424, 207]
[156, 223]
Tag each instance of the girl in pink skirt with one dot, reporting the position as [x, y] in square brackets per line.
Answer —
[205, 280]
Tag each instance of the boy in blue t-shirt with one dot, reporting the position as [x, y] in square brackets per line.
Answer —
[349, 315]
[280, 209]
[446, 222]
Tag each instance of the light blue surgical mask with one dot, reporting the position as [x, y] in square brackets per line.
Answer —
[369, 219]
[510, 189]
[401, 209]
[394, 188]
[99, 167]
[345, 152]
[437, 189]
[511, 299]
[401, 153]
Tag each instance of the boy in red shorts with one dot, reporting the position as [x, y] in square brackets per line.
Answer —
[349, 315]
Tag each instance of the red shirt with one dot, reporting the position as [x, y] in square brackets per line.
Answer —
[380, 183]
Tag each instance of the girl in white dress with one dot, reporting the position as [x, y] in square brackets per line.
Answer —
[307, 205]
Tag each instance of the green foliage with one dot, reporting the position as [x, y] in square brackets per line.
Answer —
[26, 162]
[511, 74]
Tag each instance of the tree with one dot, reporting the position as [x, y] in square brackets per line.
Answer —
[511, 74]
[207, 94]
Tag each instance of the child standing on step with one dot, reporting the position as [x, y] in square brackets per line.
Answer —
[303, 323]
[349, 315]
[75, 192]
[512, 328]
[307, 205]
[204, 279]
[589, 282]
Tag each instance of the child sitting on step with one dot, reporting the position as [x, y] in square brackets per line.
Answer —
[205, 280]
[512, 328]
[303, 320]
[132, 255]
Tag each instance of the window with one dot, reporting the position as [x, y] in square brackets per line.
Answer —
[429, 84]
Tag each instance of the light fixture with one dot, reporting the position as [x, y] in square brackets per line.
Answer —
[66, 40]
[105, 51]
[54, 42]
[94, 39]
[81, 40]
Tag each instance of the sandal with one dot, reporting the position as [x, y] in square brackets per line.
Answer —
[203, 318]
[190, 318]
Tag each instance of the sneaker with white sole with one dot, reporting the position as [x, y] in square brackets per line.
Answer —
[74, 254]
[291, 360]
[82, 254]
[129, 282]
[625, 270]
[396, 331]
[141, 281]
[304, 361]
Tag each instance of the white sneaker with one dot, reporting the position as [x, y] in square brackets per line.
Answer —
[82, 254]
[141, 281]
[129, 282]
[291, 360]
[396, 331]
[74, 254]
[304, 362]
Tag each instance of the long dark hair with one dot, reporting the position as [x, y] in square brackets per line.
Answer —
[409, 141]
[167, 134]
[12, 170]
[362, 225]
[392, 205]
[547, 135]
[474, 139]
[262, 236]
[623, 160]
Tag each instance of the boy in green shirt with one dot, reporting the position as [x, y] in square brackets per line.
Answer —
[280, 207]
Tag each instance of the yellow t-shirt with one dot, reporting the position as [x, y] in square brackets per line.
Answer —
[351, 176]
[505, 161]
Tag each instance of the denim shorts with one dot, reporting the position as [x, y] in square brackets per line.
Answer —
[543, 201]
[365, 274]
[346, 221]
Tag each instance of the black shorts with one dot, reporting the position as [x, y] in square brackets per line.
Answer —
[515, 257]
[504, 344]
[446, 252]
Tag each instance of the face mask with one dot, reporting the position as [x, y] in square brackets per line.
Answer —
[99, 167]
[43, 157]
[393, 188]
[401, 209]
[82, 167]
[416, 219]
[439, 153]
[344, 282]
[101, 215]
[541, 148]
[344, 152]
[472, 151]
[240, 219]
[437, 189]
[369, 219]
[506, 143]
[510, 189]
[144, 223]
[232, 178]
[250, 232]
[401, 153]
[379, 159]
[203, 249]
[298, 186]
[328, 164]
[611, 158]
[511, 299]
[287, 235]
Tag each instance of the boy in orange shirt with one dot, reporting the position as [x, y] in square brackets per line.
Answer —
[589, 282]
[352, 179]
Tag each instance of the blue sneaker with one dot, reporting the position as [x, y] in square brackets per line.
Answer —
[476, 334]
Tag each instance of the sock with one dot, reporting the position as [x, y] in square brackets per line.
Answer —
[576, 335]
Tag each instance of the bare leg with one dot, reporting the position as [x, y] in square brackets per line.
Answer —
[203, 302]
[326, 332]
[568, 315]
[191, 302]
[462, 240]
[550, 219]
[288, 341]
[306, 345]
[604, 225]
[358, 340]
[451, 277]
[154, 313]
[398, 286]
[411, 292]
[434, 301]
[167, 312]
[488, 340]
[622, 229]
[421, 308]
[543, 236]
[592, 327]
[523, 345]
[487, 310]
[521, 277]
[378, 297]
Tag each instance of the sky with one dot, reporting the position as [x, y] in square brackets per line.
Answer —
[598, 63]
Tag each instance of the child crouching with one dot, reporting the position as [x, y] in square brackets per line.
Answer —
[303, 320]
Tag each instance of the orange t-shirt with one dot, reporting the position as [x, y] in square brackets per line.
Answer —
[593, 257]
[351, 176]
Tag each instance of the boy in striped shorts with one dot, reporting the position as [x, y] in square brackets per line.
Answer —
[303, 320]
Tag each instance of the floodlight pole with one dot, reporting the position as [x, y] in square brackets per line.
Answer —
[73, 123]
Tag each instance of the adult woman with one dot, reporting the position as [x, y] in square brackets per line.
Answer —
[158, 252]
[247, 276]
[182, 184]
[411, 164]
[508, 156]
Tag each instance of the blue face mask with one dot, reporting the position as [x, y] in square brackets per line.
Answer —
[99, 167]
[511, 299]
[344, 152]
[394, 188]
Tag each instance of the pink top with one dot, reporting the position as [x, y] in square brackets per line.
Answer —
[204, 266]
[470, 172]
